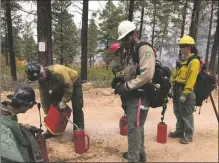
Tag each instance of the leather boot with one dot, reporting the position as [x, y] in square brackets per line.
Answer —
[142, 156]
[48, 135]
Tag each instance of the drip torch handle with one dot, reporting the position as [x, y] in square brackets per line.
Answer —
[71, 122]
[39, 106]
[88, 142]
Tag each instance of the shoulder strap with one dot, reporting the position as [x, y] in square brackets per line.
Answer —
[138, 47]
[33, 146]
[136, 58]
[191, 58]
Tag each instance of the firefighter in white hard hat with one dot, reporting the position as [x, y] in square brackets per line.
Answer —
[139, 67]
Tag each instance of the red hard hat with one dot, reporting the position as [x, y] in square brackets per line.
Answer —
[114, 47]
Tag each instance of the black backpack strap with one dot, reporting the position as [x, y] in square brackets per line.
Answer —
[188, 61]
[191, 58]
[136, 58]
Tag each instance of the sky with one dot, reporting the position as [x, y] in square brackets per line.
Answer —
[31, 6]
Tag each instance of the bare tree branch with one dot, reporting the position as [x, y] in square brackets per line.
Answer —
[100, 5]
[32, 13]
[79, 2]
[82, 9]
[77, 12]
[78, 7]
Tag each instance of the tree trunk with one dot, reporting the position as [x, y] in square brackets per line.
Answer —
[183, 22]
[6, 43]
[164, 31]
[61, 49]
[6, 48]
[90, 59]
[194, 20]
[44, 31]
[84, 41]
[10, 40]
[214, 50]
[154, 21]
[142, 21]
[131, 10]
[209, 34]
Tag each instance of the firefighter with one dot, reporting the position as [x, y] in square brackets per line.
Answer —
[18, 143]
[183, 80]
[115, 49]
[58, 85]
[131, 88]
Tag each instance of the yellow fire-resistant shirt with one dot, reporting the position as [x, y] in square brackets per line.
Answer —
[60, 78]
[186, 75]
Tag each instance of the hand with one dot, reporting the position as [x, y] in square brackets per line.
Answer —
[44, 118]
[34, 129]
[183, 98]
[116, 81]
[120, 89]
[171, 93]
[62, 106]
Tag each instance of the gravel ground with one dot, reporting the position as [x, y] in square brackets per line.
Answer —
[102, 113]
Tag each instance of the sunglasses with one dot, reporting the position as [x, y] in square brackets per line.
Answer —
[183, 46]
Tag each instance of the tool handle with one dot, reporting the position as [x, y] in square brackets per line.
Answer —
[138, 113]
[88, 142]
[214, 107]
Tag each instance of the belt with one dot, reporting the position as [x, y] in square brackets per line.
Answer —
[178, 84]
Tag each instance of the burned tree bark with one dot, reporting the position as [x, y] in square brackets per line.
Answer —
[44, 31]
[10, 40]
[84, 32]
[209, 34]
[131, 10]
[183, 22]
[214, 50]
[153, 28]
[142, 21]
[194, 20]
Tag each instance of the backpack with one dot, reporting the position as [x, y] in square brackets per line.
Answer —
[205, 83]
[157, 91]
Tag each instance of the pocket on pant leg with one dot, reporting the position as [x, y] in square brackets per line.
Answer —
[188, 107]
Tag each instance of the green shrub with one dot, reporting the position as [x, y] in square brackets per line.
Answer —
[98, 76]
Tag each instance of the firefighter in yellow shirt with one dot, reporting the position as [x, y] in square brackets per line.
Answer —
[183, 80]
[58, 85]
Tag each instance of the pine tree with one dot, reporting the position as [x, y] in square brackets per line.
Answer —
[65, 36]
[29, 44]
[111, 16]
[92, 40]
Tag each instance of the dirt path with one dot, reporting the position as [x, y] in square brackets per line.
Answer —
[102, 114]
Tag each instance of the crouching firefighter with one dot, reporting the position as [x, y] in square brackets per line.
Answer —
[135, 77]
[58, 85]
[183, 80]
[18, 143]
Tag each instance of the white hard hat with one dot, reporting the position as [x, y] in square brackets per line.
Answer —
[124, 28]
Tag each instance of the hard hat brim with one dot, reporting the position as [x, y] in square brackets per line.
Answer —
[124, 34]
[121, 37]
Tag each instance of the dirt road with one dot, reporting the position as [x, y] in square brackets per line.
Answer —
[102, 113]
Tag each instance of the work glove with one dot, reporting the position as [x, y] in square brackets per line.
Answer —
[171, 93]
[44, 118]
[116, 81]
[183, 98]
[62, 106]
[121, 89]
[34, 129]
